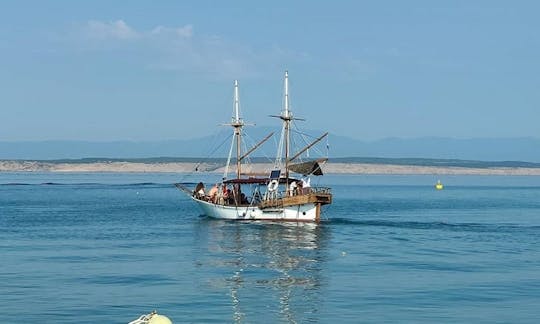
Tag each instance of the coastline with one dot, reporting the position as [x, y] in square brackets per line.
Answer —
[255, 169]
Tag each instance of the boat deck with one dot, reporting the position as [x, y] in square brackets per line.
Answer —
[314, 195]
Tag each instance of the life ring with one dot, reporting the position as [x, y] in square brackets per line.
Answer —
[273, 185]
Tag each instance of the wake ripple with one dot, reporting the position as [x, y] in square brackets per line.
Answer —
[456, 227]
[85, 184]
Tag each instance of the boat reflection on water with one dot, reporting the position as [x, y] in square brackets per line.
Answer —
[270, 271]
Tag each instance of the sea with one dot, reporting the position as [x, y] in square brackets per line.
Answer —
[109, 247]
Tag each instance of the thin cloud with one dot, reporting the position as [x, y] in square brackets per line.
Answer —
[110, 30]
[184, 32]
[120, 30]
[181, 49]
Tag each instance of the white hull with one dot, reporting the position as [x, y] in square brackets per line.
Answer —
[298, 213]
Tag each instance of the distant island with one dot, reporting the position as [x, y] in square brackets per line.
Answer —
[263, 166]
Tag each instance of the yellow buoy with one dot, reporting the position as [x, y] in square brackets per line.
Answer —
[152, 318]
[439, 185]
[159, 319]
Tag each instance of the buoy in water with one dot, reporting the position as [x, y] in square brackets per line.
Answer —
[152, 318]
[159, 319]
[439, 185]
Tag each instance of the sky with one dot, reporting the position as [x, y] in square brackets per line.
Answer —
[158, 70]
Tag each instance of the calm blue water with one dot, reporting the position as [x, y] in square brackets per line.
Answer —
[106, 248]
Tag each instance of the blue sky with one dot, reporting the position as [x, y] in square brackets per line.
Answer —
[148, 70]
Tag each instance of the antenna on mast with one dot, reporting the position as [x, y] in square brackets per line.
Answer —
[236, 106]
[286, 112]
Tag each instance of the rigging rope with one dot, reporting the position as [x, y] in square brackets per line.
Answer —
[253, 143]
[304, 135]
[205, 159]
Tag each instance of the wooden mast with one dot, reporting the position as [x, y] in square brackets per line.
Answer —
[286, 117]
[237, 123]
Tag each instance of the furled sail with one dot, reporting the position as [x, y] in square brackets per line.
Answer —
[308, 168]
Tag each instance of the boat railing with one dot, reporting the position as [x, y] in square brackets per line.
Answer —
[274, 199]
[319, 190]
[278, 199]
[310, 190]
[299, 192]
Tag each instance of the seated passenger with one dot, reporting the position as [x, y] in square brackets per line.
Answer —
[213, 192]
[201, 192]
[229, 199]
[243, 199]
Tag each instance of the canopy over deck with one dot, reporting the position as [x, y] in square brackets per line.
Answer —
[261, 181]
[307, 168]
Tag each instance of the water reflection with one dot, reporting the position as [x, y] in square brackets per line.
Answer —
[273, 270]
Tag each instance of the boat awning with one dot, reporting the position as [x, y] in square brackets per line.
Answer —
[248, 181]
[307, 168]
[262, 181]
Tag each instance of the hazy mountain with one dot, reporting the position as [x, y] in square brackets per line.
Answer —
[216, 145]
[484, 149]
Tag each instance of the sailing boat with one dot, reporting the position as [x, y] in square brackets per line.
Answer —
[276, 197]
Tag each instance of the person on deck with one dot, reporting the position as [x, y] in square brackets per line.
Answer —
[306, 185]
[213, 192]
[229, 198]
[300, 189]
[292, 188]
[201, 192]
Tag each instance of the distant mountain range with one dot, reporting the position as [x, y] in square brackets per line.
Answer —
[216, 146]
